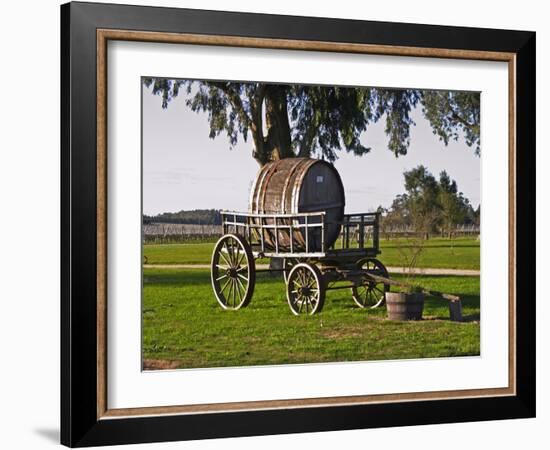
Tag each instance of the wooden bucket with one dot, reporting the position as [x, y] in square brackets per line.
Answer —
[401, 306]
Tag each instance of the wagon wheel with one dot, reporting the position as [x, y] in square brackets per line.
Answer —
[288, 264]
[305, 290]
[233, 272]
[371, 294]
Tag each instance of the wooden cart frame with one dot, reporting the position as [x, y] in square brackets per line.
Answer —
[311, 266]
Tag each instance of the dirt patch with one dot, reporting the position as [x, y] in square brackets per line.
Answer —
[159, 364]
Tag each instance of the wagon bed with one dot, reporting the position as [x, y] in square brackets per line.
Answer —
[310, 265]
[359, 234]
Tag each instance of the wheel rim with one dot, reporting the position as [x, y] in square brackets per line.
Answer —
[232, 272]
[371, 294]
[288, 264]
[305, 292]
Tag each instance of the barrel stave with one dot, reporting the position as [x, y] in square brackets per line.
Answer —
[298, 185]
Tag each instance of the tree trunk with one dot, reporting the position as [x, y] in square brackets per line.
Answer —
[278, 127]
[277, 144]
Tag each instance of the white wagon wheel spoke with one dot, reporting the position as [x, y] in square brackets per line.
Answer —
[239, 262]
[377, 289]
[233, 272]
[235, 256]
[229, 246]
[225, 285]
[241, 286]
[370, 293]
[230, 297]
[225, 259]
[305, 289]
[237, 293]
[242, 276]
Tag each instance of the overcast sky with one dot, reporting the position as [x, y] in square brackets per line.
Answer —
[184, 169]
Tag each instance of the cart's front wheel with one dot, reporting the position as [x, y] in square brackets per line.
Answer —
[233, 272]
[372, 293]
[305, 290]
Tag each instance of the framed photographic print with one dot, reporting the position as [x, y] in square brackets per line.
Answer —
[274, 224]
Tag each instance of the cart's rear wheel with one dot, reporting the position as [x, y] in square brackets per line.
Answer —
[305, 290]
[371, 294]
[233, 272]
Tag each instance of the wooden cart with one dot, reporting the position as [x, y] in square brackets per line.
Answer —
[310, 266]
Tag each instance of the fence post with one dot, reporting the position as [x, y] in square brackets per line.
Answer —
[307, 235]
[362, 232]
[276, 236]
[291, 235]
[375, 234]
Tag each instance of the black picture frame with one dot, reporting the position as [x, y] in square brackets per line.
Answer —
[80, 425]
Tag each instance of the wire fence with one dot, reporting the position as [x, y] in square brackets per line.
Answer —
[169, 233]
[174, 233]
[406, 230]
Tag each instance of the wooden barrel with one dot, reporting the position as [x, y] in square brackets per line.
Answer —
[299, 185]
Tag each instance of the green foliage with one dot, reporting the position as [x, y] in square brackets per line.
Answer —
[422, 203]
[397, 105]
[454, 207]
[286, 120]
[328, 118]
[410, 287]
[430, 205]
[416, 289]
[451, 113]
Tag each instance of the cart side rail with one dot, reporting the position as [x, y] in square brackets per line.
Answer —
[303, 234]
[276, 234]
[360, 231]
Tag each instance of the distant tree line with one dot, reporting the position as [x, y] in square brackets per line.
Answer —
[195, 216]
[429, 205]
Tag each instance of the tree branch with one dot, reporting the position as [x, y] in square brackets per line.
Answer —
[234, 99]
[307, 141]
[456, 116]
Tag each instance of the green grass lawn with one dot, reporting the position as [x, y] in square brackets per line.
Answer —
[461, 253]
[184, 326]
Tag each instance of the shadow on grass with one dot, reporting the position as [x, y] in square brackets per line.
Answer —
[187, 277]
[471, 318]
[182, 277]
[438, 309]
[269, 288]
